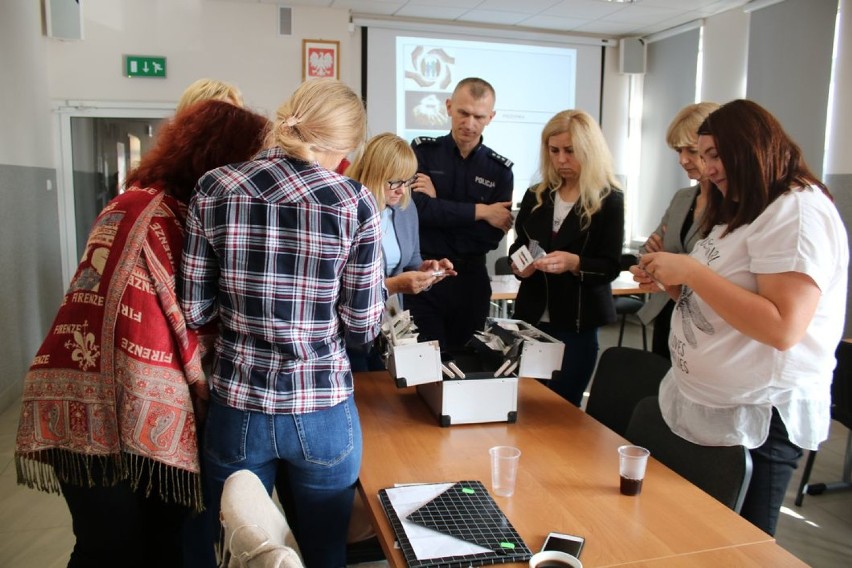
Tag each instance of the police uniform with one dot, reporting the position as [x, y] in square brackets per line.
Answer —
[457, 306]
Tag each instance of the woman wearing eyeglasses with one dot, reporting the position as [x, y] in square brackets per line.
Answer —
[388, 167]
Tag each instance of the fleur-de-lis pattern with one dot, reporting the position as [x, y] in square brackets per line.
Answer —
[84, 350]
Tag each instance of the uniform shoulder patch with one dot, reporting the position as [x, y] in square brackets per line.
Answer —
[502, 159]
[423, 140]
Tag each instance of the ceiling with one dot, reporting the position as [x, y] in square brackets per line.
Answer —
[593, 17]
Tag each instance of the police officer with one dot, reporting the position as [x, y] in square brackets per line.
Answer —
[463, 194]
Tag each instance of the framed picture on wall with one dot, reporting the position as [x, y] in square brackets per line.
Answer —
[320, 58]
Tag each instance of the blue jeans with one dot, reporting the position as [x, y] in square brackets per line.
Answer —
[578, 361]
[322, 453]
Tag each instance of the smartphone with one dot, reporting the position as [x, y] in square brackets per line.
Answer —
[567, 543]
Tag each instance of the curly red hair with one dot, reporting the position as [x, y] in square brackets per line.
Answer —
[197, 139]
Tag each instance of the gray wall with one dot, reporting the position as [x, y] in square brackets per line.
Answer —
[669, 86]
[789, 69]
[30, 265]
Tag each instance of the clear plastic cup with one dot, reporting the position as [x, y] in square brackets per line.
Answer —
[504, 469]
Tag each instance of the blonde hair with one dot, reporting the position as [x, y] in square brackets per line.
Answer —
[683, 130]
[597, 178]
[210, 89]
[323, 116]
[386, 157]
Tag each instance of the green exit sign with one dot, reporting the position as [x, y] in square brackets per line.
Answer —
[144, 66]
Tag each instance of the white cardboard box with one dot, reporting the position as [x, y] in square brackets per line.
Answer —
[480, 396]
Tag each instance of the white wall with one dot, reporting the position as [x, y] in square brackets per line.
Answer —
[839, 155]
[232, 41]
[23, 87]
[838, 171]
[614, 112]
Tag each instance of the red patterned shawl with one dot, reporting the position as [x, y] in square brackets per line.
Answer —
[112, 380]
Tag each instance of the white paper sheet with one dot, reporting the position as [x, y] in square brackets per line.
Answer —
[427, 543]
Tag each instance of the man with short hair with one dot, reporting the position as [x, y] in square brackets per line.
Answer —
[463, 194]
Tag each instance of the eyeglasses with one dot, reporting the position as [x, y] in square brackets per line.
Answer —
[396, 184]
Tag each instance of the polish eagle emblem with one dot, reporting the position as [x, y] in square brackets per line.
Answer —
[321, 62]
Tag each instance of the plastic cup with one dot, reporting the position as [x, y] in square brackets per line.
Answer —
[632, 462]
[504, 469]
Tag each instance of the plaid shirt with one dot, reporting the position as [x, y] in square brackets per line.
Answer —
[288, 256]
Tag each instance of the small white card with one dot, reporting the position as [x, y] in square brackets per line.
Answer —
[522, 258]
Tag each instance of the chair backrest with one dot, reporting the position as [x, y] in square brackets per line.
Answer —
[624, 376]
[723, 472]
[256, 533]
[502, 266]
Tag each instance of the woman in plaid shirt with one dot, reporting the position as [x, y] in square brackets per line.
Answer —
[286, 253]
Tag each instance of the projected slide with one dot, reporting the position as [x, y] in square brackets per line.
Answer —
[532, 84]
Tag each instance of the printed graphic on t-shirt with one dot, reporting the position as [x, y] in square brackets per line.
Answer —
[690, 315]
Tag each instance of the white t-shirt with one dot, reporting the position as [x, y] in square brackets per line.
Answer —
[561, 209]
[723, 384]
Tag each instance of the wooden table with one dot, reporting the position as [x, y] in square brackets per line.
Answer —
[760, 555]
[567, 482]
[504, 289]
[624, 285]
[507, 288]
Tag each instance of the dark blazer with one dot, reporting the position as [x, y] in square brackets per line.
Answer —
[576, 302]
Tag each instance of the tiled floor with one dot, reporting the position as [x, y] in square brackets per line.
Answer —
[35, 530]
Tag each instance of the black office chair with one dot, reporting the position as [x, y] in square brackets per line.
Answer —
[630, 304]
[503, 266]
[502, 308]
[623, 377]
[841, 410]
[723, 472]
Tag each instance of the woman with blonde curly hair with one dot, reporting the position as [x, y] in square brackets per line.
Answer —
[679, 229]
[575, 218]
[286, 253]
[209, 89]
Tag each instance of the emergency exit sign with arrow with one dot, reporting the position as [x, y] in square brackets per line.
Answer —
[145, 66]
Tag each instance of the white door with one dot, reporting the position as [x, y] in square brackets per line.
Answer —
[98, 144]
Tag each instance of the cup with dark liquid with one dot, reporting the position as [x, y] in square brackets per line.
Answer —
[632, 461]
[554, 559]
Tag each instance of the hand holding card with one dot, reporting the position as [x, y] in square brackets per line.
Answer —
[659, 284]
[522, 258]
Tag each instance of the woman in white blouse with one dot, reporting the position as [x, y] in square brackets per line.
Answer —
[760, 304]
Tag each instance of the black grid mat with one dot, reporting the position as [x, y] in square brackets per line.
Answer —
[465, 511]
